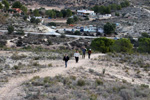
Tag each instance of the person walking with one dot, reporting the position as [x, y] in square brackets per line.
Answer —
[66, 58]
[89, 53]
[76, 55]
[83, 52]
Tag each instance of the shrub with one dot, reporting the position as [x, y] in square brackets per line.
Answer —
[144, 34]
[144, 86]
[46, 80]
[51, 24]
[109, 28]
[17, 4]
[32, 20]
[98, 82]
[126, 94]
[125, 4]
[73, 77]
[36, 12]
[50, 65]
[117, 14]
[35, 77]
[37, 21]
[122, 45]
[70, 21]
[81, 82]
[119, 7]
[18, 57]
[36, 64]
[20, 32]
[2, 43]
[24, 9]
[77, 33]
[49, 42]
[6, 4]
[10, 29]
[104, 71]
[62, 36]
[102, 44]
[91, 70]
[144, 45]
[1, 6]
[86, 18]
[75, 18]
[25, 17]
[16, 67]
[93, 97]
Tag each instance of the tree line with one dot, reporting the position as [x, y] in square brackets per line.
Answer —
[126, 45]
[108, 9]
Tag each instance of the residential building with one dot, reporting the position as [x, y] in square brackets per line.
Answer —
[89, 28]
[18, 10]
[85, 12]
[106, 16]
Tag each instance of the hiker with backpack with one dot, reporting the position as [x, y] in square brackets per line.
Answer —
[66, 58]
[76, 55]
[89, 53]
[83, 52]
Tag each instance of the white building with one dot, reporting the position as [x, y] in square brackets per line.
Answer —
[106, 16]
[85, 12]
[89, 28]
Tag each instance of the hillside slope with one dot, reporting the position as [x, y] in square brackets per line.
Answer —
[86, 3]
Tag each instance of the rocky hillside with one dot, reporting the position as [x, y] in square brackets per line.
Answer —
[86, 3]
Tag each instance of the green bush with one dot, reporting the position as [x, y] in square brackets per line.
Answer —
[86, 18]
[144, 45]
[6, 4]
[109, 28]
[51, 24]
[17, 4]
[34, 20]
[25, 17]
[144, 34]
[102, 44]
[15, 67]
[36, 12]
[10, 29]
[37, 21]
[125, 4]
[99, 82]
[70, 21]
[144, 86]
[1, 6]
[122, 45]
[77, 33]
[2, 43]
[81, 82]
[93, 97]
[111, 7]
[75, 18]
[117, 14]
[51, 13]
[20, 32]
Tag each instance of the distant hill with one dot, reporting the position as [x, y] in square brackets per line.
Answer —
[76, 3]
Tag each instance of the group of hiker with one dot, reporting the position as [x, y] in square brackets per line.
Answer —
[77, 54]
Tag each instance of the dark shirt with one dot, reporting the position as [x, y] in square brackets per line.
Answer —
[66, 58]
[84, 51]
[89, 52]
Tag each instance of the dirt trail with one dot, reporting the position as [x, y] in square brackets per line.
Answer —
[13, 88]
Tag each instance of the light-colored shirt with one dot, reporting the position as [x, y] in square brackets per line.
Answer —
[76, 54]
